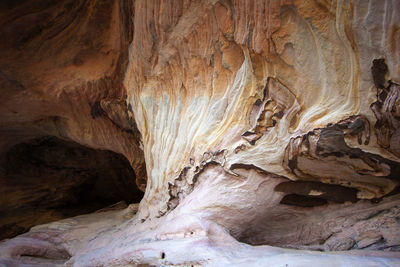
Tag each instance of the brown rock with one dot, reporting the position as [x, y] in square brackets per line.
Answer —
[271, 123]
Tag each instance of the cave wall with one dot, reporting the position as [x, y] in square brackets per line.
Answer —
[61, 70]
[303, 89]
[49, 179]
[248, 124]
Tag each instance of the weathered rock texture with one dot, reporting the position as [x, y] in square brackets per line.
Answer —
[61, 70]
[271, 123]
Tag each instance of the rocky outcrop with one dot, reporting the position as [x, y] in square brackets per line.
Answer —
[271, 123]
[264, 76]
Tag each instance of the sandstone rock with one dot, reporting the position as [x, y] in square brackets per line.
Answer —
[49, 179]
[260, 124]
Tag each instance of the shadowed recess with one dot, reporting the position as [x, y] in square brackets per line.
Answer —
[48, 179]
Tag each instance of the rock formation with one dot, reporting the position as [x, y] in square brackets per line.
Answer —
[263, 133]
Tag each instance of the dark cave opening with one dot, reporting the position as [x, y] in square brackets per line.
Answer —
[48, 179]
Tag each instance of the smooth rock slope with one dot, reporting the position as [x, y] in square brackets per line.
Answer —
[262, 132]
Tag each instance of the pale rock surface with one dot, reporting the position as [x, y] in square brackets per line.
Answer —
[263, 124]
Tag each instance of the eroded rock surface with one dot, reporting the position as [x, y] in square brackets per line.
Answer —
[62, 65]
[271, 123]
[49, 179]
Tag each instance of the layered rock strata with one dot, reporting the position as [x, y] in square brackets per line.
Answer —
[271, 123]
